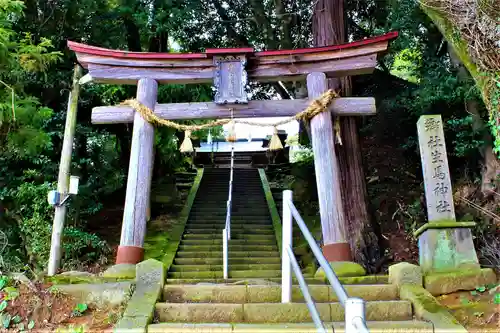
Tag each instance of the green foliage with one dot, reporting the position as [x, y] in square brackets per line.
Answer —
[3, 305]
[495, 105]
[466, 141]
[79, 309]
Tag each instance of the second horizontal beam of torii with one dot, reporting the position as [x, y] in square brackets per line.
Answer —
[347, 106]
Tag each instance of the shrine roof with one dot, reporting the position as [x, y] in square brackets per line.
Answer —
[104, 52]
[125, 67]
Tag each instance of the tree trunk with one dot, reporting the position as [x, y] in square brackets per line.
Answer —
[490, 164]
[329, 28]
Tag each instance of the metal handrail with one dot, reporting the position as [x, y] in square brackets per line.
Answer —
[305, 291]
[226, 233]
[354, 307]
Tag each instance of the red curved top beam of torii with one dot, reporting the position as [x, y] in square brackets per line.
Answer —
[124, 67]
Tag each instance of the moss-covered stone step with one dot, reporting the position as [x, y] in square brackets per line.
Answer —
[233, 241]
[220, 201]
[236, 267]
[233, 254]
[235, 207]
[274, 312]
[247, 274]
[212, 231]
[241, 281]
[234, 236]
[370, 279]
[221, 225]
[232, 247]
[238, 215]
[234, 228]
[270, 294]
[237, 219]
[402, 326]
[232, 261]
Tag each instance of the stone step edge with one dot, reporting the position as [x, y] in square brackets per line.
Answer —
[272, 294]
[369, 279]
[332, 327]
[253, 313]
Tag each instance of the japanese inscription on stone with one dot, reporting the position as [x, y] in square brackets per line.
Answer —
[230, 79]
[437, 182]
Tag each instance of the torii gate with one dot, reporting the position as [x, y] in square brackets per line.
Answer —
[228, 69]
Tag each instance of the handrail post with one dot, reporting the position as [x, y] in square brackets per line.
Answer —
[355, 315]
[286, 266]
[224, 254]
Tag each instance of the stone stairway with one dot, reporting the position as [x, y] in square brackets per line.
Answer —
[253, 253]
[196, 298]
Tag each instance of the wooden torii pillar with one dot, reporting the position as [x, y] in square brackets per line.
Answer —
[229, 70]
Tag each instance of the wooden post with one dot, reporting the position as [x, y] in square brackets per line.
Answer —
[139, 180]
[335, 245]
[64, 173]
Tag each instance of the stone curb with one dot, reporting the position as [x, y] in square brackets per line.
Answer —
[426, 307]
[150, 276]
[445, 283]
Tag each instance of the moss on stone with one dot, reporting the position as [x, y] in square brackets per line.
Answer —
[342, 269]
[381, 292]
[445, 283]
[132, 325]
[403, 273]
[275, 216]
[124, 271]
[199, 312]
[283, 312]
[205, 294]
[98, 295]
[426, 307]
[385, 310]
[370, 279]
[150, 276]
[62, 279]
[443, 224]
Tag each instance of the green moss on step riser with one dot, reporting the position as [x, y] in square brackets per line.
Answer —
[269, 294]
[342, 269]
[274, 312]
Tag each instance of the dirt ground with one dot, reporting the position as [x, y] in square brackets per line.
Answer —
[51, 311]
[475, 310]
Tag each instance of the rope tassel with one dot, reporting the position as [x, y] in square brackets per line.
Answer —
[187, 145]
[231, 135]
[275, 143]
